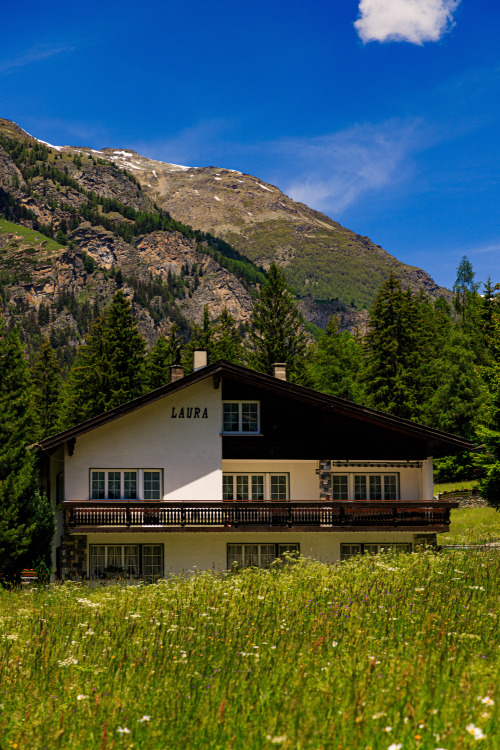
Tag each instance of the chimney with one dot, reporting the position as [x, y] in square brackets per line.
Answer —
[200, 359]
[176, 373]
[279, 370]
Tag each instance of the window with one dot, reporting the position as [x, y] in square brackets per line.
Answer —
[255, 486]
[364, 487]
[127, 560]
[240, 417]
[257, 555]
[125, 485]
[350, 550]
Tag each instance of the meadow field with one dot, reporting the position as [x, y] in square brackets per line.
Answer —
[392, 652]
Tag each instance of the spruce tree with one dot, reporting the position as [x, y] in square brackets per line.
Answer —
[276, 329]
[336, 363]
[466, 299]
[26, 517]
[109, 367]
[160, 357]
[202, 337]
[227, 340]
[46, 385]
[398, 346]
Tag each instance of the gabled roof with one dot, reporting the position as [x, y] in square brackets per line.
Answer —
[253, 378]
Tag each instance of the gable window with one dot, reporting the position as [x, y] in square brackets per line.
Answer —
[257, 555]
[240, 417]
[115, 484]
[255, 486]
[364, 487]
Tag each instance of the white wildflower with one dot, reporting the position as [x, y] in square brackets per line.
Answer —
[387, 729]
[123, 730]
[476, 732]
[395, 746]
[378, 715]
[144, 718]
[334, 643]
[486, 700]
[81, 697]
[68, 662]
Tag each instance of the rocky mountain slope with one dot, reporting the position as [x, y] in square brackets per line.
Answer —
[79, 223]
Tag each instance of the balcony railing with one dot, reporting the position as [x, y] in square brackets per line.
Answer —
[219, 516]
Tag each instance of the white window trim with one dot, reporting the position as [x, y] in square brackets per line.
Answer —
[351, 483]
[140, 484]
[267, 483]
[240, 419]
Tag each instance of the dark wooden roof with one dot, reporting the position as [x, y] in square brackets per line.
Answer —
[447, 442]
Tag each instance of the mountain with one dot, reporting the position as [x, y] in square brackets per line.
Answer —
[79, 223]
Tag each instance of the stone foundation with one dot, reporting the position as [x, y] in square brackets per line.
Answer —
[72, 557]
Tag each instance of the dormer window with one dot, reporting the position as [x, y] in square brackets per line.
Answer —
[240, 417]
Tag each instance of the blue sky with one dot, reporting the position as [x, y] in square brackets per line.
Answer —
[384, 114]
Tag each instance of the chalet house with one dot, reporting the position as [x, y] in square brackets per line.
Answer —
[229, 466]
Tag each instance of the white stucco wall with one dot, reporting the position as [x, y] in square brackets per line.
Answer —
[187, 450]
[184, 552]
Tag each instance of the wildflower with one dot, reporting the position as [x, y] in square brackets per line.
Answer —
[476, 732]
[433, 711]
[68, 662]
[81, 697]
[395, 746]
[334, 643]
[144, 718]
[486, 700]
[421, 589]
[378, 715]
[387, 729]
[123, 730]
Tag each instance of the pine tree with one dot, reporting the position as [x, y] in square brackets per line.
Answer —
[46, 385]
[336, 363]
[276, 329]
[160, 357]
[26, 517]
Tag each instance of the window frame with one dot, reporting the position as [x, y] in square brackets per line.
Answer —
[363, 548]
[278, 553]
[240, 430]
[113, 549]
[266, 476]
[367, 476]
[140, 481]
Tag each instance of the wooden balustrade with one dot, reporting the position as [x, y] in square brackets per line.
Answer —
[312, 515]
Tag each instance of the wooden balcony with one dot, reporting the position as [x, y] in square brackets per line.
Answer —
[82, 517]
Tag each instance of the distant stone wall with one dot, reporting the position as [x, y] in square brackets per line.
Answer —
[465, 498]
[72, 555]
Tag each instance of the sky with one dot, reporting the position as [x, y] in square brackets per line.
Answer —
[383, 114]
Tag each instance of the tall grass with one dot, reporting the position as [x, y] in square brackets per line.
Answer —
[473, 526]
[377, 652]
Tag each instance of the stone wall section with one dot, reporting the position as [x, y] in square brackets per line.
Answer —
[72, 557]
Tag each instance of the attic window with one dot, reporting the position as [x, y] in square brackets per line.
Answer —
[240, 417]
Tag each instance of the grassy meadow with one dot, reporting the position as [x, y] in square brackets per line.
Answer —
[392, 651]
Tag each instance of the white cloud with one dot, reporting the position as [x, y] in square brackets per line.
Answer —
[414, 21]
[331, 172]
[34, 56]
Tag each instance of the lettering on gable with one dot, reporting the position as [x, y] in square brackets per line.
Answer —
[189, 412]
